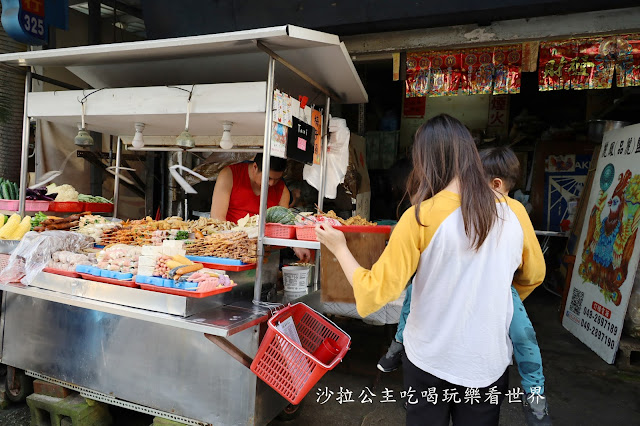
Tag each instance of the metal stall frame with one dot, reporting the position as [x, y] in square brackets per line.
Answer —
[232, 321]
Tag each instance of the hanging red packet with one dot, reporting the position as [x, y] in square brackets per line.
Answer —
[628, 63]
[553, 70]
[507, 61]
[413, 70]
[593, 66]
[482, 79]
[452, 73]
[438, 80]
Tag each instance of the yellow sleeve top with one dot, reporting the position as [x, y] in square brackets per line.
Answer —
[390, 274]
[461, 303]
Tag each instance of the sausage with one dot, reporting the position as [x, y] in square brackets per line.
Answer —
[62, 226]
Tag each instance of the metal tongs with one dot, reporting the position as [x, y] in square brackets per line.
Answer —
[305, 219]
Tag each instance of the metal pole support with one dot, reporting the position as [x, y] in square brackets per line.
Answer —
[231, 349]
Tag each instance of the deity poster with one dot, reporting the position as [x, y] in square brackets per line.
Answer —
[608, 251]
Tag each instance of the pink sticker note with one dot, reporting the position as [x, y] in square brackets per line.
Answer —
[302, 144]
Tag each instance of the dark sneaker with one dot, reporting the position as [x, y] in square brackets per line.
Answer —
[536, 410]
[392, 359]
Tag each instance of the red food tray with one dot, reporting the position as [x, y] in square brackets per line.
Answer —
[98, 207]
[11, 205]
[308, 233]
[30, 205]
[71, 274]
[187, 293]
[66, 206]
[127, 283]
[378, 229]
[277, 230]
[229, 268]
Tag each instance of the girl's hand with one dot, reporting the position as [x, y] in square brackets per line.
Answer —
[333, 239]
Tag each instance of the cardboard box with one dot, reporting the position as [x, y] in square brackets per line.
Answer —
[366, 248]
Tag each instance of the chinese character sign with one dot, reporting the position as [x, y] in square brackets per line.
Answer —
[607, 257]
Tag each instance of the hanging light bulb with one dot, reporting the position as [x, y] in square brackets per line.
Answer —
[83, 138]
[138, 141]
[185, 140]
[226, 142]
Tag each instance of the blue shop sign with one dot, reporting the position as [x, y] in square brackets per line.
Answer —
[28, 21]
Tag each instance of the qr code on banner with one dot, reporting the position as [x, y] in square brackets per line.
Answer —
[576, 301]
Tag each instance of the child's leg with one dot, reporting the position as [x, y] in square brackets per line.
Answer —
[404, 313]
[525, 348]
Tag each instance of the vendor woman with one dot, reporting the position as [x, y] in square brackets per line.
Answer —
[237, 192]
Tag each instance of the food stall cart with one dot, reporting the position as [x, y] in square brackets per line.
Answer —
[143, 350]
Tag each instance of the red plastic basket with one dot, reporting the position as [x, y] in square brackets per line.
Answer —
[306, 233]
[289, 369]
[277, 230]
[66, 206]
[98, 207]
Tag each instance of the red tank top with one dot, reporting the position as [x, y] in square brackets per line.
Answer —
[243, 201]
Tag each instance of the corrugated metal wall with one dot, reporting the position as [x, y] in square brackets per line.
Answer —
[12, 89]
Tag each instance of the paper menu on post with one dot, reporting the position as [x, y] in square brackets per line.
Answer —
[288, 328]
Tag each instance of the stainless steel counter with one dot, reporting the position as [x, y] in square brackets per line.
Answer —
[222, 321]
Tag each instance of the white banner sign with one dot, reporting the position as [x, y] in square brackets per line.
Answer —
[607, 257]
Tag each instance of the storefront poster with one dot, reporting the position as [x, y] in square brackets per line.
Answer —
[316, 122]
[565, 176]
[279, 141]
[607, 256]
[282, 105]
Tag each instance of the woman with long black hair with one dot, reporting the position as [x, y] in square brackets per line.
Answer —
[466, 245]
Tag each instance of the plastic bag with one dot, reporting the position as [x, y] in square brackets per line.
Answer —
[35, 251]
[337, 161]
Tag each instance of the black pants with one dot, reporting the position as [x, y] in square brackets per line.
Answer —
[481, 412]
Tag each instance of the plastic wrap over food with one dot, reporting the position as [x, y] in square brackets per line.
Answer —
[36, 250]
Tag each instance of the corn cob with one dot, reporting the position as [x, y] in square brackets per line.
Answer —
[22, 229]
[12, 224]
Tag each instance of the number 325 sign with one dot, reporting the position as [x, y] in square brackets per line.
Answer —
[28, 21]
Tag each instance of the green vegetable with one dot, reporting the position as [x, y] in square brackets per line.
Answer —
[6, 192]
[38, 219]
[93, 199]
[182, 235]
[14, 190]
[279, 214]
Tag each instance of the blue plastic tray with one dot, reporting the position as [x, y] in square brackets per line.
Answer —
[216, 260]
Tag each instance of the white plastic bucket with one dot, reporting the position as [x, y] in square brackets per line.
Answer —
[295, 278]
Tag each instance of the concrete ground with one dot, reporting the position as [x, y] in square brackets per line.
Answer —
[582, 389]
